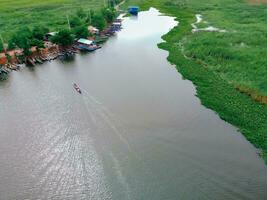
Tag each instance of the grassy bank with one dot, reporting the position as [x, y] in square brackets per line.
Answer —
[217, 63]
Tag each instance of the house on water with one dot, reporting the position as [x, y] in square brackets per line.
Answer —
[86, 45]
[133, 10]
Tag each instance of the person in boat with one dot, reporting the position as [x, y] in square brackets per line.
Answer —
[77, 88]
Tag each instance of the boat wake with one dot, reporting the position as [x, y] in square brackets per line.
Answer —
[103, 118]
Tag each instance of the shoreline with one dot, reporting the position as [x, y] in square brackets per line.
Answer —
[49, 53]
[215, 93]
[11, 60]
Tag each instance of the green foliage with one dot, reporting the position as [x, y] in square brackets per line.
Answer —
[63, 38]
[11, 44]
[80, 32]
[89, 17]
[38, 32]
[48, 13]
[217, 62]
[81, 13]
[109, 14]
[1, 46]
[22, 39]
[75, 21]
[99, 21]
[37, 43]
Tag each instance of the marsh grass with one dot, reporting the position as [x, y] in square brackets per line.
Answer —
[219, 62]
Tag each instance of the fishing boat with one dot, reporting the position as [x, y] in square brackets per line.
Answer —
[77, 88]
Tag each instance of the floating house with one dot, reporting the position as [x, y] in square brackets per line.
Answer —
[86, 45]
[85, 41]
[133, 10]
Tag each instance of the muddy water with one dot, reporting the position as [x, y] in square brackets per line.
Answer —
[136, 132]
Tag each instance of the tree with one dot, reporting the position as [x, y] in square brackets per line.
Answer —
[81, 31]
[109, 14]
[89, 17]
[37, 43]
[99, 21]
[22, 39]
[11, 44]
[1, 46]
[63, 38]
[81, 13]
[38, 32]
[25, 32]
[75, 21]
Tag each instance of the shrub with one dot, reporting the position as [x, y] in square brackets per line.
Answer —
[81, 31]
[63, 38]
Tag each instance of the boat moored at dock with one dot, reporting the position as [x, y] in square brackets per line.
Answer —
[86, 45]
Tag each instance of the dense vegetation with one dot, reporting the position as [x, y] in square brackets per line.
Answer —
[218, 63]
[1, 46]
[76, 27]
[49, 13]
[20, 21]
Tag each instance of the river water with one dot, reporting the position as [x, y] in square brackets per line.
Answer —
[137, 132]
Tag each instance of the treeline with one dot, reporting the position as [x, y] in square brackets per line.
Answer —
[76, 27]
[79, 22]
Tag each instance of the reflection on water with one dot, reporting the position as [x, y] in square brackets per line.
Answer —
[136, 132]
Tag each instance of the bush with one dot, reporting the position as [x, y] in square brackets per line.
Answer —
[99, 21]
[81, 31]
[22, 39]
[38, 32]
[37, 43]
[11, 44]
[63, 38]
[81, 13]
[109, 14]
[1, 46]
[91, 14]
[75, 21]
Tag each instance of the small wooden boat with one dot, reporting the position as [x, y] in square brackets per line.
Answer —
[77, 88]
[29, 62]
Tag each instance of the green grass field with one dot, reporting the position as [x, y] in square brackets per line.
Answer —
[218, 63]
[15, 14]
